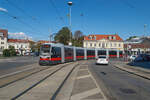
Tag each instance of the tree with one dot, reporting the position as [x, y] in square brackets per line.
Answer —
[12, 50]
[78, 34]
[63, 36]
[32, 46]
[6, 53]
[78, 39]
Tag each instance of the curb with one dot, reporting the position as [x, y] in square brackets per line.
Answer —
[132, 72]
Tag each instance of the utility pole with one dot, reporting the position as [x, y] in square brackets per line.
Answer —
[50, 35]
[70, 4]
[145, 26]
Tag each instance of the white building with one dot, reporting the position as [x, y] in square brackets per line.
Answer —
[21, 46]
[103, 42]
[3, 40]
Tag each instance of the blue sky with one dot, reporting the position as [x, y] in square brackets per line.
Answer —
[36, 18]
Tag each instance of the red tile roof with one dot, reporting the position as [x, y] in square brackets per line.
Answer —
[18, 40]
[99, 37]
[5, 32]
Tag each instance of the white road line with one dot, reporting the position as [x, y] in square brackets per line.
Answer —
[85, 94]
[85, 76]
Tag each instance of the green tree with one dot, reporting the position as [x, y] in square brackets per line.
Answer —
[78, 39]
[78, 34]
[6, 53]
[32, 46]
[12, 51]
[63, 36]
[78, 42]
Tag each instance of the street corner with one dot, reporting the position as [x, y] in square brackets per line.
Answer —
[85, 86]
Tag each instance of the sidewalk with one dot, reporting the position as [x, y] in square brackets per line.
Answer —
[81, 86]
[142, 72]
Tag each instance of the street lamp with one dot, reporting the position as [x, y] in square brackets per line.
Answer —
[70, 4]
[3, 10]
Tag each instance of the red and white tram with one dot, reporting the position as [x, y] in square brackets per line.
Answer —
[55, 53]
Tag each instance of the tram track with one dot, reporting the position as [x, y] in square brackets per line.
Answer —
[25, 89]
[19, 76]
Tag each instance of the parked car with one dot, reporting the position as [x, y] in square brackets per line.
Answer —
[132, 57]
[27, 53]
[141, 57]
[102, 60]
[32, 54]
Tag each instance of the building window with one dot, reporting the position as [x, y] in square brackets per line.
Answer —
[110, 44]
[2, 47]
[91, 44]
[103, 45]
[99, 44]
[2, 38]
[106, 44]
[114, 38]
[115, 44]
[2, 42]
[21, 46]
[95, 44]
[110, 37]
[119, 45]
[86, 44]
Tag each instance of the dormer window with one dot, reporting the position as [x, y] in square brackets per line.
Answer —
[114, 37]
[90, 37]
[110, 37]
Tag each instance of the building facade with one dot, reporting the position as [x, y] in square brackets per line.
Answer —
[103, 42]
[21, 46]
[137, 46]
[3, 40]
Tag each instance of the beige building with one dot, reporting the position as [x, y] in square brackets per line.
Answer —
[103, 42]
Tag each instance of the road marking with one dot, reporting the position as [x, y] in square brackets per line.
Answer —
[85, 94]
[85, 76]
[98, 86]
[16, 72]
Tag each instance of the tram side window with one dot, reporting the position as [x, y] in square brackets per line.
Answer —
[101, 52]
[90, 52]
[80, 52]
[68, 52]
[56, 52]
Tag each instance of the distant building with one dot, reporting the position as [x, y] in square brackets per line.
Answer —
[3, 40]
[21, 46]
[45, 41]
[137, 46]
[103, 42]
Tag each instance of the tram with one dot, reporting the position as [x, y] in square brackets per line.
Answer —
[55, 53]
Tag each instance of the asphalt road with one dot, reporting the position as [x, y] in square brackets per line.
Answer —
[121, 85]
[12, 64]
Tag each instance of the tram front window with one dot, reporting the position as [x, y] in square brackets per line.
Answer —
[45, 49]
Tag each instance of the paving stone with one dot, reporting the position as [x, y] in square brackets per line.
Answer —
[82, 85]
[82, 73]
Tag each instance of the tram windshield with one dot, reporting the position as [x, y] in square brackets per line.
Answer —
[45, 48]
